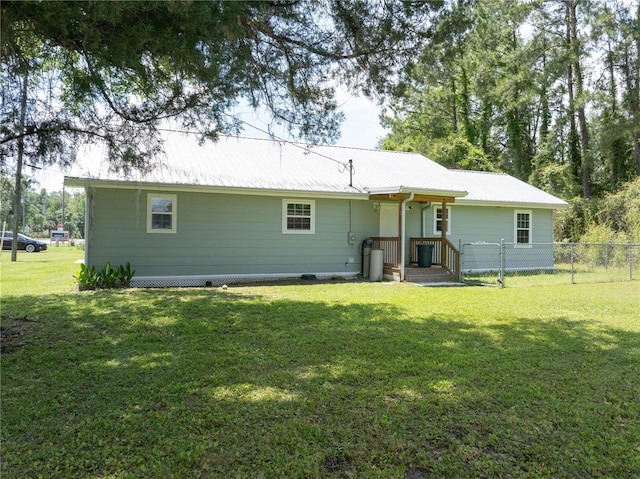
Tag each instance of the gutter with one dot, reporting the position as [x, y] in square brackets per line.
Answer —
[402, 234]
[390, 190]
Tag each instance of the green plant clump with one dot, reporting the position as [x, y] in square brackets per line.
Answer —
[89, 278]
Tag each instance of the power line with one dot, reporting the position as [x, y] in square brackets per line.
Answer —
[292, 143]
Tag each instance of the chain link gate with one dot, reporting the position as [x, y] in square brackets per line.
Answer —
[480, 263]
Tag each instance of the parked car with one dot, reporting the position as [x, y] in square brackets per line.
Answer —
[30, 245]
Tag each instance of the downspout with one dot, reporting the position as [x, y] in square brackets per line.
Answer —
[89, 191]
[402, 234]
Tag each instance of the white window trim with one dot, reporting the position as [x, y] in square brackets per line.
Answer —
[287, 231]
[515, 229]
[174, 213]
[435, 220]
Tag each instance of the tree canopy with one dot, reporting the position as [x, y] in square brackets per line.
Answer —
[548, 91]
[114, 71]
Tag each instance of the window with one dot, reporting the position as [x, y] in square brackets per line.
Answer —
[522, 233]
[161, 213]
[437, 221]
[298, 217]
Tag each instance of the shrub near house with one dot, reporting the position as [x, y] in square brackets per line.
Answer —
[89, 278]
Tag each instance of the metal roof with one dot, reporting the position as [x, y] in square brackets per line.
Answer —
[500, 188]
[264, 164]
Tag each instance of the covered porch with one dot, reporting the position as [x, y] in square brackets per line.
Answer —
[445, 256]
[401, 263]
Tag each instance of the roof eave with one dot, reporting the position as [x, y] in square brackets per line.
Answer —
[75, 182]
[514, 204]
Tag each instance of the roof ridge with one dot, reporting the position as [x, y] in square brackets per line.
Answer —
[294, 142]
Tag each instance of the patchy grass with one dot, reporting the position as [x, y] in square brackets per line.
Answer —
[322, 380]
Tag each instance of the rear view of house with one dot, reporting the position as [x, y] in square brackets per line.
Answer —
[251, 209]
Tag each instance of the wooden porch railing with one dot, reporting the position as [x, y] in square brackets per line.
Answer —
[391, 255]
[451, 255]
[389, 244]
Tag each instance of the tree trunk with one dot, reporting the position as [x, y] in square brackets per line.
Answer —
[616, 165]
[469, 132]
[18, 188]
[634, 94]
[582, 117]
[454, 105]
[572, 140]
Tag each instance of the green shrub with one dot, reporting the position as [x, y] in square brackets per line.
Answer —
[89, 278]
[598, 220]
[125, 275]
[596, 246]
[109, 277]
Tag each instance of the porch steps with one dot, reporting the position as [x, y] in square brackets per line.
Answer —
[414, 274]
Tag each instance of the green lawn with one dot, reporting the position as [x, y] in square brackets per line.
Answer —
[316, 380]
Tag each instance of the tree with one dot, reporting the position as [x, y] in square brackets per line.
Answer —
[122, 68]
[116, 71]
[40, 211]
[547, 89]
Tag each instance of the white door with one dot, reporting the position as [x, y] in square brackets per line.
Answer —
[389, 219]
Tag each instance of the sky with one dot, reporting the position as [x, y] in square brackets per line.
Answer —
[360, 129]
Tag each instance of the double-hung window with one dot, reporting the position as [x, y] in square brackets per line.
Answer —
[437, 221]
[298, 217]
[161, 213]
[522, 228]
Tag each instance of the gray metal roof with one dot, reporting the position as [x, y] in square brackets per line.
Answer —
[262, 164]
[500, 188]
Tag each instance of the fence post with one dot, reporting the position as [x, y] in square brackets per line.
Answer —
[572, 259]
[502, 261]
[630, 263]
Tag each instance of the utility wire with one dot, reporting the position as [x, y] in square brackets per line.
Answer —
[292, 143]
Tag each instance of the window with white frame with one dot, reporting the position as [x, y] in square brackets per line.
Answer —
[522, 228]
[161, 213]
[437, 221]
[298, 217]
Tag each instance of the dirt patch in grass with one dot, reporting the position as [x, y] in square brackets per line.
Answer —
[14, 333]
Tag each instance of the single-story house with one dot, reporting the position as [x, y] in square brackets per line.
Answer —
[246, 209]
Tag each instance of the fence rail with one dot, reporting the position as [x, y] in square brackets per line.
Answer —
[509, 264]
[451, 254]
[390, 246]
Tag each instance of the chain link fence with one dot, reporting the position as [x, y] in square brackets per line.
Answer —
[513, 265]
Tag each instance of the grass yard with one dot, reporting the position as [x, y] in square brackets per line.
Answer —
[561, 274]
[317, 380]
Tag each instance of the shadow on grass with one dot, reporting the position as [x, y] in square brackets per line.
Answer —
[203, 383]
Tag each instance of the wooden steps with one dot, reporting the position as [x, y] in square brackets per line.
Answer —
[414, 274]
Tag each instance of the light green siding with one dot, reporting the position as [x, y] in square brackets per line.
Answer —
[488, 224]
[231, 234]
[492, 224]
[221, 234]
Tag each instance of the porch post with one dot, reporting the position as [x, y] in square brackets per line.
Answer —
[443, 234]
[403, 224]
[400, 231]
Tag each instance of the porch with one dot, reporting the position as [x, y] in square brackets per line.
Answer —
[445, 259]
[393, 245]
